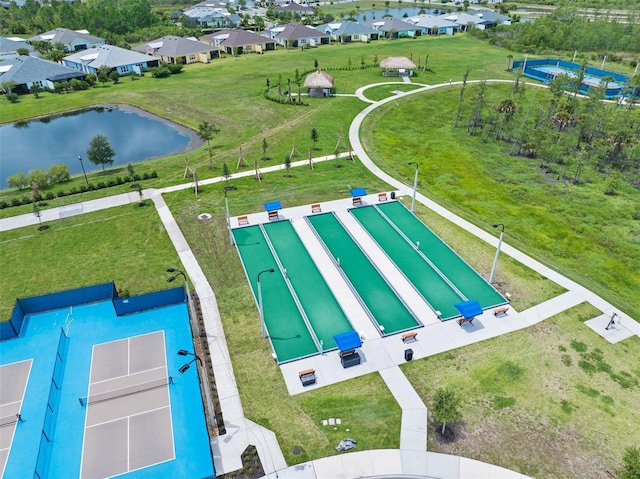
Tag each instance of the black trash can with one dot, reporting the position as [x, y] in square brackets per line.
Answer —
[393, 195]
[408, 354]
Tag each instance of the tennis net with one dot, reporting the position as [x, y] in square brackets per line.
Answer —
[125, 391]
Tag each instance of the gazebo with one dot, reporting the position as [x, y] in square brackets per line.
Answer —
[400, 65]
[319, 84]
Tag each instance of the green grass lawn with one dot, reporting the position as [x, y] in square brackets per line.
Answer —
[554, 400]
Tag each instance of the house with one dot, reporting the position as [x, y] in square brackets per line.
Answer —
[116, 58]
[495, 19]
[465, 21]
[296, 35]
[432, 25]
[72, 40]
[294, 7]
[394, 28]
[9, 48]
[25, 71]
[236, 42]
[347, 32]
[210, 15]
[319, 84]
[178, 50]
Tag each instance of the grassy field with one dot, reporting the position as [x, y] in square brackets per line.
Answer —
[579, 230]
[554, 400]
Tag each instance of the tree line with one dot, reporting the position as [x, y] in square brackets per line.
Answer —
[566, 30]
[572, 138]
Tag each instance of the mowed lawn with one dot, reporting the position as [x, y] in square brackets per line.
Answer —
[555, 400]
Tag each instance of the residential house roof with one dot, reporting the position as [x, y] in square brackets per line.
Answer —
[172, 46]
[65, 36]
[388, 24]
[295, 31]
[431, 21]
[11, 45]
[237, 38]
[25, 69]
[492, 16]
[295, 7]
[319, 79]
[345, 28]
[464, 19]
[108, 55]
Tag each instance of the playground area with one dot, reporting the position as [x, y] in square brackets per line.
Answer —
[546, 70]
[86, 372]
[364, 264]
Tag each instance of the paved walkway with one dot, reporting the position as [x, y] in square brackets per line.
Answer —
[382, 355]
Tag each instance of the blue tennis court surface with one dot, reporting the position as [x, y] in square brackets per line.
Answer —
[60, 342]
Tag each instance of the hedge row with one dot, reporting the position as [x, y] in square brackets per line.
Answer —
[50, 195]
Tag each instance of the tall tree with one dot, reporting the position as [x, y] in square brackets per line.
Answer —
[206, 131]
[314, 137]
[464, 84]
[100, 151]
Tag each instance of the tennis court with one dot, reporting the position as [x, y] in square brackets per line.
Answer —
[13, 381]
[128, 407]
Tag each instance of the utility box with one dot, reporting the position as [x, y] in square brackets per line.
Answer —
[408, 354]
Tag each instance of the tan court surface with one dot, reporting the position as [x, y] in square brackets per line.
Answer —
[13, 383]
[128, 408]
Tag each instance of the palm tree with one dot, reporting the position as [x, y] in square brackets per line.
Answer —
[509, 60]
[206, 131]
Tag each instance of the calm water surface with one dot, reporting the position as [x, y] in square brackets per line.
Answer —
[134, 136]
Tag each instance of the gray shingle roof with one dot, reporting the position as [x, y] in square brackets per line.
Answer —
[65, 36]
[389, 24]
[173, 46]
[108, 55]
[31, 69]
[297, 31]
[295, 7]
[239, 38]
[352, 28]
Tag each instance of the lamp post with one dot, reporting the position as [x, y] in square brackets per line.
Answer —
[415, 184]
[226, 205]
[83, 172]
[184, 367]
[171, 279]
[495, 260]
[262, 325]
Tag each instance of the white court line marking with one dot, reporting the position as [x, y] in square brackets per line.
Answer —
[12, 402]
[134, 336]
[132, 415]
[128, 442]
[128, 375]
[128, 356]
[15, 426]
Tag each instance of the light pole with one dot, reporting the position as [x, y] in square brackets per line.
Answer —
[184, 367]
[415, 184]
[83, 172]
[226, 204]
[171, 279]
[262, 325]
[495, 260]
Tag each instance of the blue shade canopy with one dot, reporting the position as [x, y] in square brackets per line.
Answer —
[347, 341]
[355, 192]
[469, 309]
[273, 206]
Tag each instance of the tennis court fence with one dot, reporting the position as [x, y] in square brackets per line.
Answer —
[124, 391]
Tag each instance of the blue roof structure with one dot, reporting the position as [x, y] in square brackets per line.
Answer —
[469, 309]
[347, 341]
[273, 206]
[355, 192]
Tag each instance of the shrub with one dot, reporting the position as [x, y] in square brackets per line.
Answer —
[16, 201]
[49, 196]
[91, 79]
[101, 184]
[3, 204]
[59, 173]
[160, 72]
[174, 69]
[18, 181]
[12, 97]
[38, 176]
[114, 76]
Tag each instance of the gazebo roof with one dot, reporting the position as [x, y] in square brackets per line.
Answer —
[397, 63]
[319, 79]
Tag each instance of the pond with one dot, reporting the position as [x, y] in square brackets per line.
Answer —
[135, 135]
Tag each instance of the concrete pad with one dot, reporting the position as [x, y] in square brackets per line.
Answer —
[357, 464]
[414, 463]
[616, 332]
[443, 466]
[330, 467]
[470, 469]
